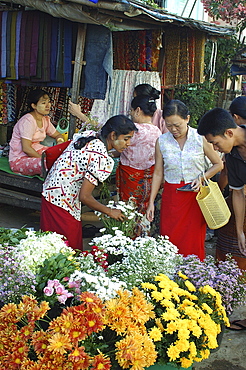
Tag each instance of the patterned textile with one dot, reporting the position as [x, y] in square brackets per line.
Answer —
[65, 178]
[172, 56]
[183, 76]
[11, 102]
[184, 56]
[134, 183]
[227, 239]
[28, 52]
[200, 39]
[28, 166]
[136, 50]
[141, 153]
[123, 84]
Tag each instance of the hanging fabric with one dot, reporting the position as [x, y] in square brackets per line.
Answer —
[123, 84]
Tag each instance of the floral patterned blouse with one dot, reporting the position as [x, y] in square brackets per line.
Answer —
[141, 153]
[63, 183]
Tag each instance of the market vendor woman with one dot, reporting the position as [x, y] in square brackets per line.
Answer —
[74, 175]
[31, 129]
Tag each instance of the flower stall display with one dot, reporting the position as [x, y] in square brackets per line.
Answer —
[187, 320]
[224, 276]
[125, 304]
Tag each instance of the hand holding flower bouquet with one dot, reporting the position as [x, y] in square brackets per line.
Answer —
[128, 226]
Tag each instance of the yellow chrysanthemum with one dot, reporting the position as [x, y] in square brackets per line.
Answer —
[159, 324]
[185, 362]
[173, 352]
[155, 334]
[170, 314]
[182, 345]
[182, 275]
[157, 296]
[192, 349]
[183, 333]
[206, 307]
[167, 303]
[192, 312]
[205, 354]
[149, 286]
[171, 327]
[190, 286]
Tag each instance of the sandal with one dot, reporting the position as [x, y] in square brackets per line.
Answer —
[237, 324]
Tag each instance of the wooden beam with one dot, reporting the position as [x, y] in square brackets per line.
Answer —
[78, 64]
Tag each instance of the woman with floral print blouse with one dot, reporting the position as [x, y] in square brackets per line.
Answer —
[74, 175]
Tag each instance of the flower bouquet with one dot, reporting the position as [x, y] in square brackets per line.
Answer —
[128, 226]
[187, 320]
[224, 276]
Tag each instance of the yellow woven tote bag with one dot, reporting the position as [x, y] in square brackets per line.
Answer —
[213, 205]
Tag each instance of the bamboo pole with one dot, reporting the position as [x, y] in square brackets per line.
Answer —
[78, 64]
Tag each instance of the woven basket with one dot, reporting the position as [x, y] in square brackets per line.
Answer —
[213, 205]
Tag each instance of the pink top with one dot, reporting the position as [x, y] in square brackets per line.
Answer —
[27, 128]
[141, 152]
[159, 121]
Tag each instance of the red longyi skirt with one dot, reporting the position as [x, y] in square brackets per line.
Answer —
[181, 219]
[57, 219]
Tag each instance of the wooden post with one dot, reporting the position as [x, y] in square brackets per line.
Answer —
[78, 64]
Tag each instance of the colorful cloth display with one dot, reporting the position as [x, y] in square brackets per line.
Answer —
[137, 50]
[122, 87]
[184, 56]
[37, 47]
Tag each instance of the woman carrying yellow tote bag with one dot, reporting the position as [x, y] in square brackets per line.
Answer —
[213, 205]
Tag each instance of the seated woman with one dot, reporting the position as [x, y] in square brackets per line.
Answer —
[134, 173]
[31, 129]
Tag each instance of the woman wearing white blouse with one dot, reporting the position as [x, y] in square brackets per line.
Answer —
[179, 160]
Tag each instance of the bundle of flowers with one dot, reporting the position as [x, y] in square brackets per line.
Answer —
[77, 338]
[187, 320]
[224, 276]
[146, 258]
[128, 226]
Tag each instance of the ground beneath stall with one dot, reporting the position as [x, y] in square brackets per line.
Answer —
[230, 356]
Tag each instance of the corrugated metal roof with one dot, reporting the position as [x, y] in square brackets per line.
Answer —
[119, 15]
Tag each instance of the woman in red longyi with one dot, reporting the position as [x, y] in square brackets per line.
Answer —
[180, 159]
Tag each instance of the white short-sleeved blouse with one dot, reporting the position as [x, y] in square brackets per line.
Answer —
[63, 183]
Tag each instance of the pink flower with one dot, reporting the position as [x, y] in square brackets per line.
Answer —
[50, 283]
[62, 298]
[48, 291]
[60, 289]
[56, 282]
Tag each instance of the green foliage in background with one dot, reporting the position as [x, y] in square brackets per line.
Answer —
[199, 98]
